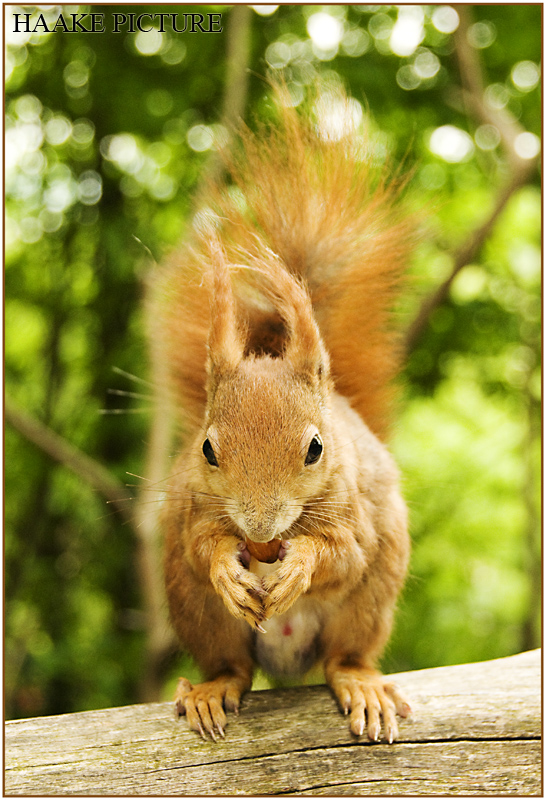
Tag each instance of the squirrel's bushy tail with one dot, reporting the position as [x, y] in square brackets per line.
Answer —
[316, 203]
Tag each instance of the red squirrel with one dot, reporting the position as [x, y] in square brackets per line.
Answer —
[275, 324]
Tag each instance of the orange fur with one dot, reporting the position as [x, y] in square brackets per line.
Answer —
[275, 325]
[319, 208]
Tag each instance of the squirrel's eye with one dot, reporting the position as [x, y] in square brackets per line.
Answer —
[208, 452]
[314, 452]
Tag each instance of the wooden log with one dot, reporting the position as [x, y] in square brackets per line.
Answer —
[475, 730]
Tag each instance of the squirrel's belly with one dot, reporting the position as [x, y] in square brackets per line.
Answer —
[290, 646]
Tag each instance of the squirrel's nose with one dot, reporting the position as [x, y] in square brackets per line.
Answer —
[260, 530]
[266, 520]
[260, 524]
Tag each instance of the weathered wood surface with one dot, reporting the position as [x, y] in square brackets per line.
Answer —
[475, 730]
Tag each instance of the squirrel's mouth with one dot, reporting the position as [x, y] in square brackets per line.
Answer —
[262, 538]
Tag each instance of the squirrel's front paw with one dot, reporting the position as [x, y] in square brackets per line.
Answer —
[288, 582]
[241, 591]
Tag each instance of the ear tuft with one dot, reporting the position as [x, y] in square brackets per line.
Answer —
[225, 342]
[304, 348]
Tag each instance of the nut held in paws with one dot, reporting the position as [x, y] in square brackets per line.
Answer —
[268, 552]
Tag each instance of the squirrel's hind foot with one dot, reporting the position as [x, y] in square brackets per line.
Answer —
[368, 696]
[204, 704]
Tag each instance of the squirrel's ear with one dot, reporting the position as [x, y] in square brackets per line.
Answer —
[225, 343]
[304, 349]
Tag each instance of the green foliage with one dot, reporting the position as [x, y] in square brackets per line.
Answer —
[107, 136]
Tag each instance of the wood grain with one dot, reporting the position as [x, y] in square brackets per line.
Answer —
[475, 730]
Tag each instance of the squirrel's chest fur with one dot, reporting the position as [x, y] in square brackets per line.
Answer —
[291, 644]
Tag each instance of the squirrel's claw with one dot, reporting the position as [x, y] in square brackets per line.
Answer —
[369, 699]
[241, 591]
[283, 589]
[203, 705]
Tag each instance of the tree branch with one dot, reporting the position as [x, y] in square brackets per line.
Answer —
[238, 52]
[102, 481]
[465, 255]
[235, 91]
[57, 448]
[520, 169]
